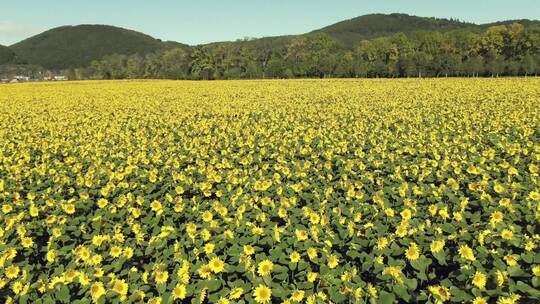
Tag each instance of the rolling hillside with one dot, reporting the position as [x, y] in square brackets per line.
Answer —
[352, 31]
[6, 55]
[77, 46]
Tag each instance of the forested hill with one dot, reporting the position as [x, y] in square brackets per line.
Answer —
[351, 32]
[6, 55]
[378, 45]
[77, 46]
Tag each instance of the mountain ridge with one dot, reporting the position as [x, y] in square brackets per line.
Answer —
[74, 46]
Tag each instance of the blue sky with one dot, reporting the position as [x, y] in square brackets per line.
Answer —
[202, 21]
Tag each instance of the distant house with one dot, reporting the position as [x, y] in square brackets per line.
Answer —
[4, 80]
[20, 78]
[14, 81]
[60, 78]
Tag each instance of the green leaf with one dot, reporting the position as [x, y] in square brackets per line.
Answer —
[62, 294]
[386, 298]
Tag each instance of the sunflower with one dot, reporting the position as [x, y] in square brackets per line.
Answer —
[156, 207]
[12, 272]
[262, 294]
[412, 253]
[440, 292]
[479, 300]
[312, 276]
[295, 257]
[437, 246]
[249, 250]
[507, 234]
[179, 292]
[332, 261]
[297, 295]
[116, 251]
[536, 270]
[236, 293]
[161, 277]
[102, 203]
[97, 291]
[479, 280]
[216, 265]
[120, 287]
[265, 268]
[207, 216]
[466, 253]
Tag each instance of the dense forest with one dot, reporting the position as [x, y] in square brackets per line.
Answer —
[394, 45]
[503, 50]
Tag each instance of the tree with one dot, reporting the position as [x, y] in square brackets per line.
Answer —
[175, 64]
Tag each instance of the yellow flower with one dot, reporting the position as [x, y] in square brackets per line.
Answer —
[12, 272]
[312, 276]
[510, 260]
[207, 216]
[205, 272]
[223, 301]
[156, 206]
[479, 300]
[466, 253]
[249, 250]
[116, 251]
[295, 257]
[262, 294]
[507, 234]
[209, 248]
[102, 203]
[535, 196]
[179, 292]
[265, 268]
[394, 272]
[51, 256]
[297, 295]
[440, 292]
[97, 291]
[382, 243]
[120, 287]
[332, 261]
[512, 299]
[161, 277]
[479, 280]
[406, 214]
[155, 300]
[216, 265]
[437, 246]
[412, 253]
[536, 270]
[27, 242]
[236, 293]
[312, 253]
[499, 278]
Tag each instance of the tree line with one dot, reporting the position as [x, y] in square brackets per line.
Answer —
[502, 50]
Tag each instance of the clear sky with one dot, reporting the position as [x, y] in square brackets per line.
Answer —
[201, 21]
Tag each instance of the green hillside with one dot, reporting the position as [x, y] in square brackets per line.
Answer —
[352, 31]
[6, 55]
[77, 46]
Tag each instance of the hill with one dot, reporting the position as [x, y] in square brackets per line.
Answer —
[352, 31]
[77, 46]
[6, 55]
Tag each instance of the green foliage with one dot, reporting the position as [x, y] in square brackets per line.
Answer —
[394, 45]
[6, 55]
[76, 46]
[351, 32]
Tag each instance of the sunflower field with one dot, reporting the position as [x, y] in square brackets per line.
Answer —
[276, 191]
